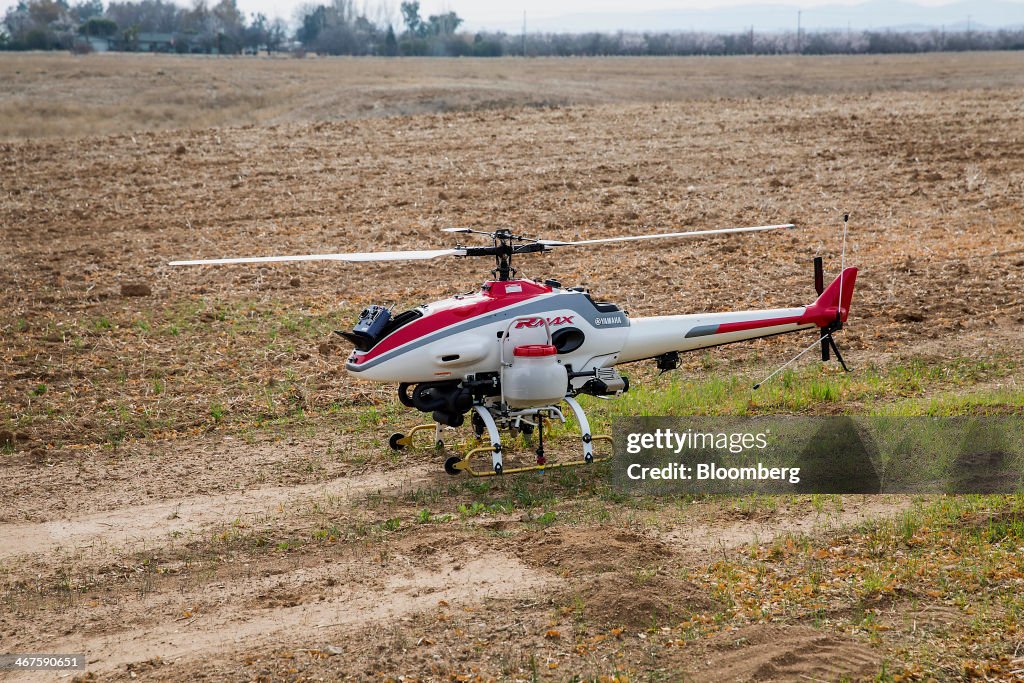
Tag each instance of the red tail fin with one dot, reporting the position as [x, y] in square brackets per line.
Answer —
[823, 311]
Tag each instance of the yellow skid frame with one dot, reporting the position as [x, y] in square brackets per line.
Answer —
[400, 441]
[464, 465]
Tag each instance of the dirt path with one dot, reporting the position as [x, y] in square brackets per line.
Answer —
[132, 526]
[704, 536]
[230, 629]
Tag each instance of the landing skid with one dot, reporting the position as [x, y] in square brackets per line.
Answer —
[525, 421]
[398, 440]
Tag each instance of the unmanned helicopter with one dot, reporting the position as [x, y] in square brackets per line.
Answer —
[513, 353]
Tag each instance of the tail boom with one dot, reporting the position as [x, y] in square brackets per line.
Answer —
[652, 337]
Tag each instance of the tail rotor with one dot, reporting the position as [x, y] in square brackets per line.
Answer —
[827, 341]
[829, 311]
[819, 287]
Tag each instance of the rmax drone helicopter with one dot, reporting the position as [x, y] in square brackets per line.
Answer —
[514, 352]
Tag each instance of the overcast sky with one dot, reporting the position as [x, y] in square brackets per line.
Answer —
[488, 12]
[507, 15]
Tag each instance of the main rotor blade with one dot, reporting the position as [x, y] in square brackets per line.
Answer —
[655, 236]
[353, 257]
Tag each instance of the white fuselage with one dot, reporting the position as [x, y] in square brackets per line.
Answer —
[467, 335]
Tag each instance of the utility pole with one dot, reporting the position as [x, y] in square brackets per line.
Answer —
[524, 33]
[798, 48]
[751, 40]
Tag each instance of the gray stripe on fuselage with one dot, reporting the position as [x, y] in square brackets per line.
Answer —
[701, 331]
[578, 303]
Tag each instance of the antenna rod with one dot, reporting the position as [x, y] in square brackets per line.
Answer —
[842, 270]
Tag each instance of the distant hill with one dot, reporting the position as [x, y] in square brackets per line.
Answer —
[876, 14]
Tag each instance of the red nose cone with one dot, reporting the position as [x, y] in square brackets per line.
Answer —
[534, 350]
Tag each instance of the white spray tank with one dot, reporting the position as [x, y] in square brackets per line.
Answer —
[533, 376]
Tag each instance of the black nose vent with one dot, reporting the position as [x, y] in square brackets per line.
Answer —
[568, 339]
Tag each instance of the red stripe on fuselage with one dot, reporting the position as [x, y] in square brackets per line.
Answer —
[458, 310]
[725, 328]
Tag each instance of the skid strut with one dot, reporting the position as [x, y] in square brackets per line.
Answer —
[455, 464]
[398, 441]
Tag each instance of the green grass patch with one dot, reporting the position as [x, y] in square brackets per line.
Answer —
[900, 389]
[958, 554]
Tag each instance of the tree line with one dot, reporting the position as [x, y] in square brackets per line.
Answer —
[750, 42]
[58, 25]
[340, 28]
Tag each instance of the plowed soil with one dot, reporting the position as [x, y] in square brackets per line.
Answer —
[192, 486]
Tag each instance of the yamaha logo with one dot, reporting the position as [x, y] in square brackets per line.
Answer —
[609, 320]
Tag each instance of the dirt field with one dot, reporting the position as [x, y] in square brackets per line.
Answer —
[194, 488]
[45, 95]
